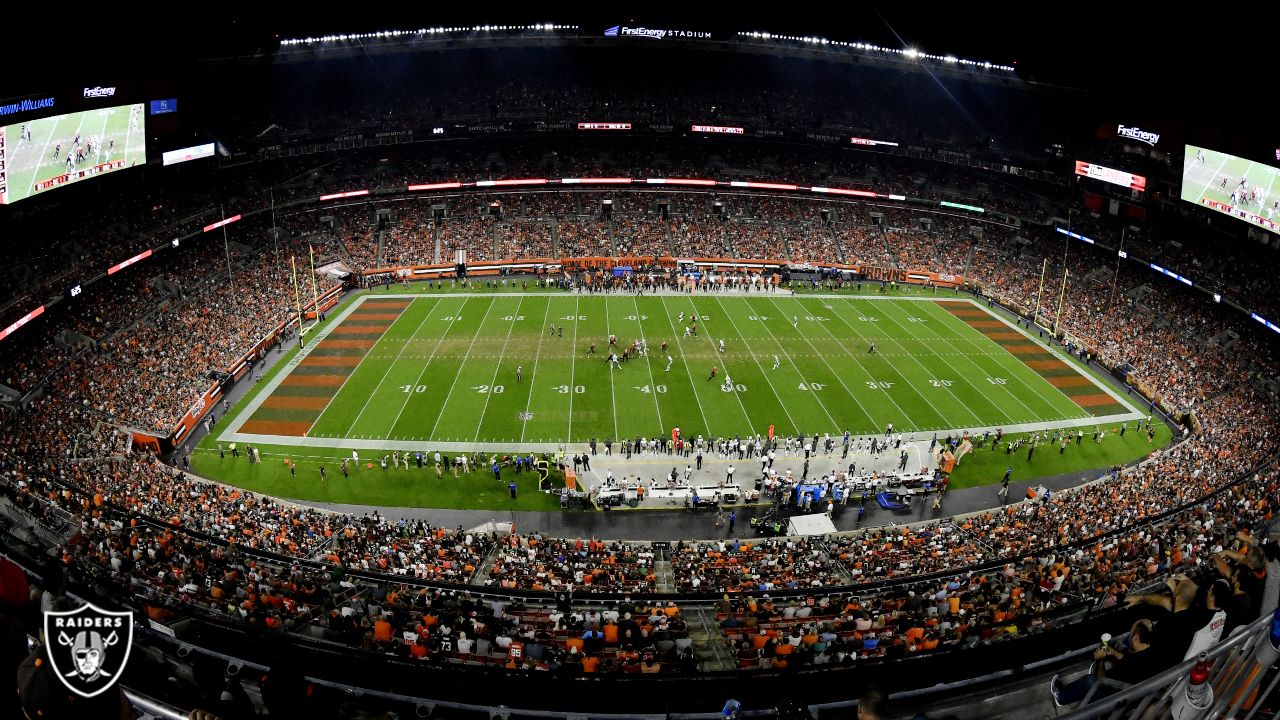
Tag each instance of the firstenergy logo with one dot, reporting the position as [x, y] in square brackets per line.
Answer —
[652, 33]
[1134, 133]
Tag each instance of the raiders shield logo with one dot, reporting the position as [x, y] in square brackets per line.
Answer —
[88, 647]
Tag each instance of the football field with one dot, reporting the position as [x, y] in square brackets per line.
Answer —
[397, 370]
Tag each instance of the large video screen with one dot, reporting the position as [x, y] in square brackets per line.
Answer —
[1233, 186]
[39, 155]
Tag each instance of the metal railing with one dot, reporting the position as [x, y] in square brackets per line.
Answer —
[1240, 665]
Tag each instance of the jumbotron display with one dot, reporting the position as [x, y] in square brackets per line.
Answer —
[1233, 186]
[40, 155]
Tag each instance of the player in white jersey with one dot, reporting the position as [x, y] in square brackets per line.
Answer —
[669, 361]
[776, 364]
[721, 346]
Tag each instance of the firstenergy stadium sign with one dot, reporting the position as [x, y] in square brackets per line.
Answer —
[655, 34]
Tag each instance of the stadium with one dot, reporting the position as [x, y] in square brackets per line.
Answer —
[636, 367]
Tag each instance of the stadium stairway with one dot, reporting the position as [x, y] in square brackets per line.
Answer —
[841, 255]
[710, 645]
[613, 241]
[664, 578]
[884, 238]
[666, 232]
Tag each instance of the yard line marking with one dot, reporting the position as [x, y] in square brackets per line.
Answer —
[524, 421]
[794, 425]
[613, 396]
[917, 361]
[445, 404]
[962, 376]
[1226, 158]
[391, 365]
[800, 372]
[573, 357]
[851, 356]
[648, 363]
[745, 414]
[439, 341]
[498, 366]
[694, 388]
[1020, 366]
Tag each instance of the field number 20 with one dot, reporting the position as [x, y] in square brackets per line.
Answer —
[485, 389]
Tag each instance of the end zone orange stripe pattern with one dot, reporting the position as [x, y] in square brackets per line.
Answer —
[330, 361]
[306, 396]
[347, 344]
[277, 427]
[300, 402]
[1061, 375]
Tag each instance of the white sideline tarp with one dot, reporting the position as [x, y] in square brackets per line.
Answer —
[815, 524]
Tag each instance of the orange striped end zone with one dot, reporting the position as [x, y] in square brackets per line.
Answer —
[292, 428]
[1033, 356]
[295, 402]
[360, 329]
[1054, 364]
[1024, 349]
[314, 380]
[1093, 400]
[330, 361]
[346, 344]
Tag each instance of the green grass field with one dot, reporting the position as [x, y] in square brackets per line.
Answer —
[444, 369]
[1203, 182]
[984, 467]
[436, 369]
[416, 487]
[32, 162]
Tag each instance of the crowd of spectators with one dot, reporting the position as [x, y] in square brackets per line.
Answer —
[524, 239]
[472, 234]
[1090, 544]
[583, 238]
[634, 236]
